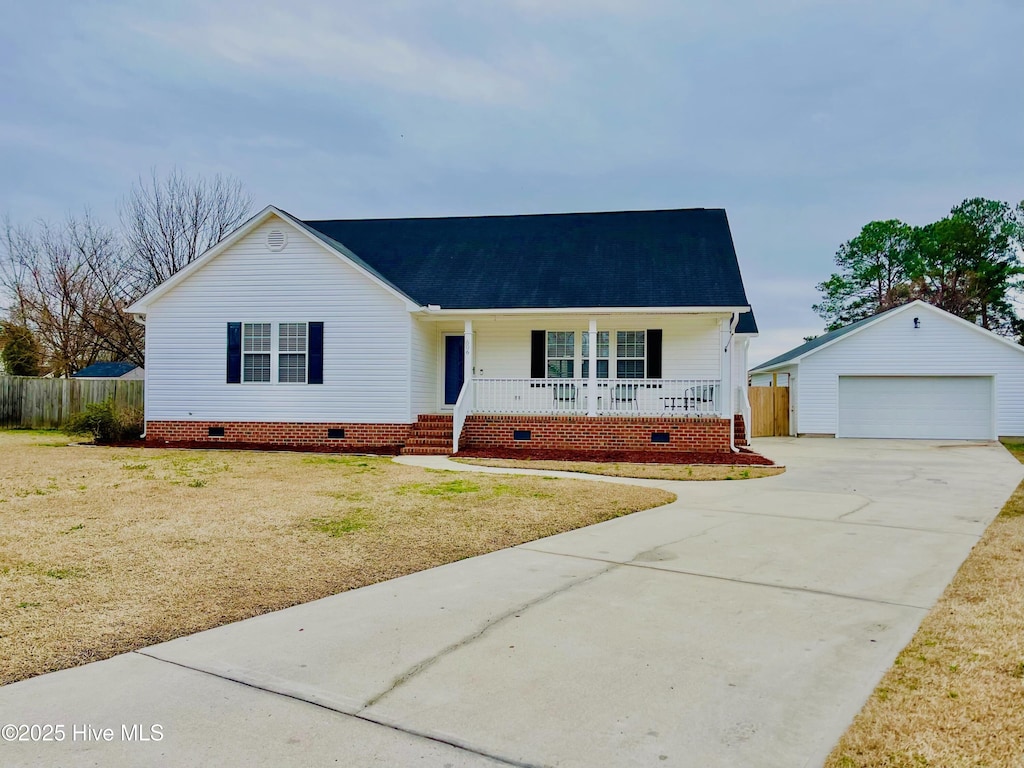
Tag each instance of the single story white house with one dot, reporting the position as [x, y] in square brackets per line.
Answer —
[621, 330]
[915, 371]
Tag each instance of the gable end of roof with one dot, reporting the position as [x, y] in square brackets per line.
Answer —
[826, 340]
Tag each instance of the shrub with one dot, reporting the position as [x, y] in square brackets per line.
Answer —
[106, 422]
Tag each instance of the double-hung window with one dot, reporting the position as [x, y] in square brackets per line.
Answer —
[602, 354]
[256, 342]
[291, 353]
[630, 354]
[285, 353]
[619, 354]
[561, 354]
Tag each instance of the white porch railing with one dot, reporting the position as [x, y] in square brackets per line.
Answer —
[463, 407]
[618, 397]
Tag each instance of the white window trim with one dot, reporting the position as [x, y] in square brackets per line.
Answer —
[248, 323]
[613, 353]
[615, 346]
[548, 359]
[275, 353]
[586, 357]
[276, 364]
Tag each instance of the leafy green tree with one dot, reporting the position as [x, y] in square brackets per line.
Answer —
[875, 274]
[967, 263]
[20, 354]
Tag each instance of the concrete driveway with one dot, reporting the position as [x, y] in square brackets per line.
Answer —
[743, 625]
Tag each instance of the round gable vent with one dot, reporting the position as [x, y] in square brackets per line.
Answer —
[276, 240]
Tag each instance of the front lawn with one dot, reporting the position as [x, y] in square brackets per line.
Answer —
[104, 550]
[955, 696]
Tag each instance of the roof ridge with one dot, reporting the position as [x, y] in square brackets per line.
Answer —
[517, 215]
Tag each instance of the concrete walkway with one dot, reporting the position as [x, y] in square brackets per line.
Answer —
[743, 625]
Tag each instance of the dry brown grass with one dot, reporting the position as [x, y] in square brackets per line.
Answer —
[955, 696]
[103, 550]
[649, 471]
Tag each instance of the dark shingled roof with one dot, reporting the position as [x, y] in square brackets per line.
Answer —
[674, 258]
[820, 341]
[747, 323]
[105, 370]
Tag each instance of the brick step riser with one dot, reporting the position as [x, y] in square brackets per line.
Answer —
[417, 450]
[438, 432]
[426, 418]
[426, 442]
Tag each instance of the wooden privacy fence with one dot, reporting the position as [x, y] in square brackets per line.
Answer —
[769, 411]
[48, 403]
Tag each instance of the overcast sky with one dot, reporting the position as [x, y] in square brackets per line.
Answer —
[804, 119]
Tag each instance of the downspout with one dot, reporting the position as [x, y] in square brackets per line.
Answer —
[732, 408]
[141, 320]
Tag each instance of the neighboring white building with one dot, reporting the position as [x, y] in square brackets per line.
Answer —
[562, 330]
[914, 371]
[111, 370]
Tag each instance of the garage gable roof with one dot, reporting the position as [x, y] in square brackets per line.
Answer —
[796, 354]
[821, 341]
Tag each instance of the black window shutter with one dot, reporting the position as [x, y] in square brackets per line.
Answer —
[538, 360]
[234, 353]
[654, 353]
[316, 353]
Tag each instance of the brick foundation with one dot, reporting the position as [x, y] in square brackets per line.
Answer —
[576, 433]
[606, 433]
[370, 438]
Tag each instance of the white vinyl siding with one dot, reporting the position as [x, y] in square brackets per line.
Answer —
[367, 334]
[424, 367]
[893, 347]
[908, 406]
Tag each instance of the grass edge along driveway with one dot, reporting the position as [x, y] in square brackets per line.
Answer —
[954, 698]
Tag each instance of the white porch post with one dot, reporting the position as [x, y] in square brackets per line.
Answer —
[725, 397]
[468, 352]
[592, 373]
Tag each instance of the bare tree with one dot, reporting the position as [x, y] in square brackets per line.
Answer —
[169, 222]
[114, 285]
[70, 284]
[51, 286]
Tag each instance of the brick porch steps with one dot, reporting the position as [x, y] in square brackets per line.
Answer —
[739, 431]
[431, 435]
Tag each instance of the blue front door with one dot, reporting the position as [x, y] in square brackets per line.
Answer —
[454, 367]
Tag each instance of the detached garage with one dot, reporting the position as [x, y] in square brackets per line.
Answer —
[911, 372]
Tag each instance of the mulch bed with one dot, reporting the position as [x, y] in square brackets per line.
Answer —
[744, 457]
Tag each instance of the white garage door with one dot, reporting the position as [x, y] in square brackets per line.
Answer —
[937, 407]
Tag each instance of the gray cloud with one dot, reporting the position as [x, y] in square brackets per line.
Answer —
[805, 119]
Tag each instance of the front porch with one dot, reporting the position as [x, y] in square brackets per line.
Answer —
[633, 381]
[594, 414]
